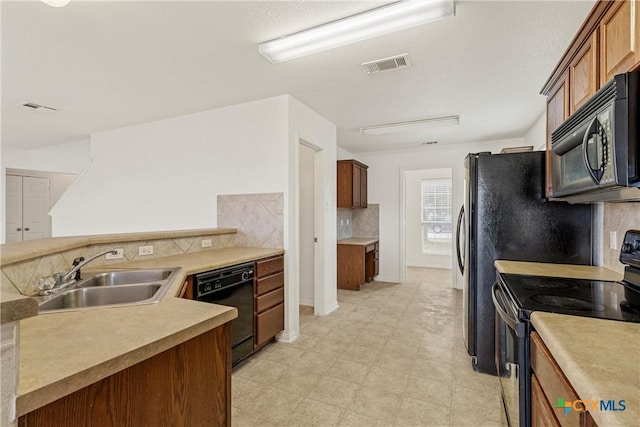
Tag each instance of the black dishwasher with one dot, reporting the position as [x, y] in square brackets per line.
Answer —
[232, 286]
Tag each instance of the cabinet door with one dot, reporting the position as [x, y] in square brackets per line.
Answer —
[357, 186]
[557, 112]
[583, 74]
[363, 187]
[618, 40]
[269, 324]
[345, 184]
[541, 410]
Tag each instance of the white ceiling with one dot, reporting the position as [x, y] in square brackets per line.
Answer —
[111, 64]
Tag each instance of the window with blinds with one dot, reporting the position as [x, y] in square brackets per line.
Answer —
[437, 227]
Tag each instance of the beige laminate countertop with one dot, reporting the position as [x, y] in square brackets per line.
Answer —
[63, 352]
[556, 270]
[358, 241]
[600, 358]
[14, 307]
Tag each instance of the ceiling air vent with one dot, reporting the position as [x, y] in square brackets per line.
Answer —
[429, 143]
[35, 106]
[387, 64]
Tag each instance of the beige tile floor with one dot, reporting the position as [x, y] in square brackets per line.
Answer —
[391, 355]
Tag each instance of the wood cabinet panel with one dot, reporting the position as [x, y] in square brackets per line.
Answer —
[541, 411]
[351, 184]
[269, 324]
[270, 299]
[619, 39]
[356, 265]
[187, 385]
[583, 74]
[265, 267]
[269, 283]
[187, 288]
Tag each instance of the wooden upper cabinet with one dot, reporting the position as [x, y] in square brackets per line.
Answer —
[619, 39]
[352, 184]
[583, 74]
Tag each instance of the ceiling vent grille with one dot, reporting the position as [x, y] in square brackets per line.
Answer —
[35, 106]
[387, 64]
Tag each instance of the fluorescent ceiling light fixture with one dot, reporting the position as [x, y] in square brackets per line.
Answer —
[411, 125]
[383, 20]
[56, 3]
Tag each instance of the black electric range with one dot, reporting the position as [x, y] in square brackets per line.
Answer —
[577, 297]
[515, 297]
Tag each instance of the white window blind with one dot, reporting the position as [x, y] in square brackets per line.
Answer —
[437, 227]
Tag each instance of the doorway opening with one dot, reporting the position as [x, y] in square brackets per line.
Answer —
[307, 225]
[428, 218]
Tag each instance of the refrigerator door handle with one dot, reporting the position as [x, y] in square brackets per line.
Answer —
[458, 229]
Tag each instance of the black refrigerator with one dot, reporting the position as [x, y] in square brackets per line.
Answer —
[507, 216]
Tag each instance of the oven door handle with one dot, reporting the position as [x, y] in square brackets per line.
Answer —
[497, 294]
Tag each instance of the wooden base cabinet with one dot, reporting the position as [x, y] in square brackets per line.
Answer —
[187, 385]
[548, 385]
[357, 265]
[268, 299]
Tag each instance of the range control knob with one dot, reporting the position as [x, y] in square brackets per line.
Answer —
[626, 248]
[245, 275]
[636, 245]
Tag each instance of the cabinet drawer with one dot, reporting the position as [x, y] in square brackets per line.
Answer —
[552, 380]
[269, 323]
[370, 248]
[266, 301]
[269, 283]
[269, 266]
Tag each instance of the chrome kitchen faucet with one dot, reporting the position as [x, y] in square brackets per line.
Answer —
[61, 281]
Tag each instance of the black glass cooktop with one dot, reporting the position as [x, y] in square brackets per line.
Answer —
[579, 297]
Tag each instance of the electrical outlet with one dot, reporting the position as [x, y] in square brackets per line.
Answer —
[613, 240]
[145, 250]
[206, 243]
[341, 221]
[347, 221]
[118, 255]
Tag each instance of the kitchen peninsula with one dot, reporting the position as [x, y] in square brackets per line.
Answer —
[100, 365]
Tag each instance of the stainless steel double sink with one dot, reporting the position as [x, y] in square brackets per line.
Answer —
[112, 289]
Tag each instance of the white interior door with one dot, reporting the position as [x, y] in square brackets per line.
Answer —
[13, 229]
[36, 203]
[27, 208]
[307, 225]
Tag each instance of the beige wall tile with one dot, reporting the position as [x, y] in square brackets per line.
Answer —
[21, 273]
[259, 218]
[618, 217]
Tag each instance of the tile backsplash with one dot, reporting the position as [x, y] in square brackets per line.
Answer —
[618, 217]
[259, 218]
[24, 275]
[366, 222]
[358, 222]
[344, 221]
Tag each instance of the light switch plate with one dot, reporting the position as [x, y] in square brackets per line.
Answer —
[206, 243]
[613, 240]
[145, 250]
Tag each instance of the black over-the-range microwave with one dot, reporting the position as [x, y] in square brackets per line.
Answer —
[595, 153]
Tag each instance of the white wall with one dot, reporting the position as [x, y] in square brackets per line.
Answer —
[342, 154]
[384, 176]
[68, 158]
[166, 175]
[413, 220]
[537, 135]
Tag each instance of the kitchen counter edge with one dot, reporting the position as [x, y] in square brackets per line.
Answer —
[358, 241]
[556, 270]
